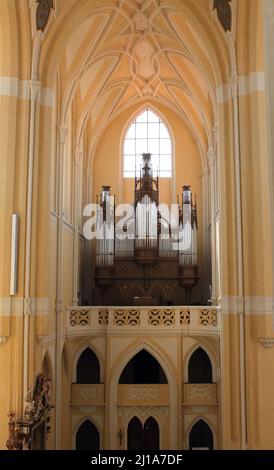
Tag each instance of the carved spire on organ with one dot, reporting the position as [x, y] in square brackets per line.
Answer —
[146, 184]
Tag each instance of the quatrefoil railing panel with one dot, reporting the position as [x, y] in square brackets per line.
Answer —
[184, 317]
[161, 317]
[208, 317]
[126, 317]
[79, 318]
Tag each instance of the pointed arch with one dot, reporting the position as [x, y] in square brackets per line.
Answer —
[135, 372]
[77, 354]
[200, 435]
[88, 367]
[170, 372]
[155, 351]
[143, 437]
[87, 436]
[211, 355]
[148, 133]
[199, 367]
[151, 434]
[134, 434]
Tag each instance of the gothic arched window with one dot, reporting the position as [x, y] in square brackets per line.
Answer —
[143, 369]
[88, 368]
[199, 367]
[87, 437]
[148, 134]
[201, 436]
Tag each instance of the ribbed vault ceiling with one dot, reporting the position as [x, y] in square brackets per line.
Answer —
[135, 51]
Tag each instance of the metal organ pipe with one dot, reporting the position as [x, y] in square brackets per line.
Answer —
[188, 230]
[147, 217]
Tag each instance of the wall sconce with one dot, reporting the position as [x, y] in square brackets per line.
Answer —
[120, 435]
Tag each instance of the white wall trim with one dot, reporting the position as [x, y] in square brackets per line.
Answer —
[247, 84]
[41, 305]
[12, 86]
[15, 306]
[11, 306]
[253, 305]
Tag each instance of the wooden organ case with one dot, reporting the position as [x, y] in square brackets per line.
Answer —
[145, 259]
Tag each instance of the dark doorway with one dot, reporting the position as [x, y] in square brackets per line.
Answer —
[141, 437]
[87, 437]
[201, 436]
[143, 369]
[135, 434]
[151, 435]
[88, 368]
[199, 368]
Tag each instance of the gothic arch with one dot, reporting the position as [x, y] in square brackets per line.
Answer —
[78, 425]
[77, 353]
[205, 420]
[202, 373]
[123, 358]
[211, 355]
[152, 104]
[130, 375]
[138, 430]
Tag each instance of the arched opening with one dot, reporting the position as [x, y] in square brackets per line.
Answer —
[87, 437]
[148, 134]
[143, 369]
[201, 436]
[151, 434]
[88, 368]
[65, 399]
[134, 434]
[141, 437]
[199, 368]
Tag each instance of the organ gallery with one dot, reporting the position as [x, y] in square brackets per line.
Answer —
[148, 260]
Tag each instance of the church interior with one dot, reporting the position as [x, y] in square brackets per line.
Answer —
[137, 238]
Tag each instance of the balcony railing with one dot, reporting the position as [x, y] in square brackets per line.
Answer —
[189, 320]
[87, 394]
[200, 394]
[143, 394]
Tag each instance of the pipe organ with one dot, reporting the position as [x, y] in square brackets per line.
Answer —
[146, 254]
